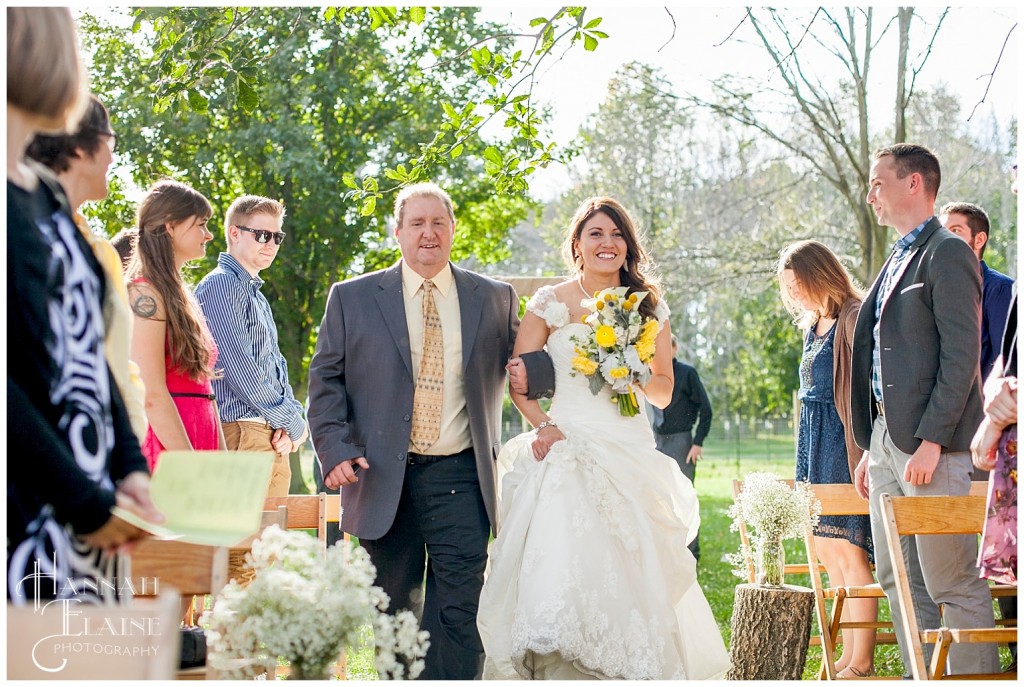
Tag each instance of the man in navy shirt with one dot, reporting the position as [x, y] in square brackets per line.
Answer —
[970, 222]
[673, 426]
[257, 407]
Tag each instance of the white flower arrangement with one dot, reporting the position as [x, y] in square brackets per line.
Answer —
[774, 510]
[304, 605]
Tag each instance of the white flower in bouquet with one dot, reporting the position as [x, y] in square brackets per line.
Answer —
[773, 509]
[304, 605]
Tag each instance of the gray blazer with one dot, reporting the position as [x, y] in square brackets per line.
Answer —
[361, 387]
[931, 341]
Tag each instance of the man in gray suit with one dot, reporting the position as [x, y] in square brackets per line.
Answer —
[916, 395]
[405, 398]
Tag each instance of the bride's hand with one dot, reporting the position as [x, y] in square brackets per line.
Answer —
[546, 438]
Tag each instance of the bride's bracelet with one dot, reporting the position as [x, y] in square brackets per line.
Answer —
[546, 423]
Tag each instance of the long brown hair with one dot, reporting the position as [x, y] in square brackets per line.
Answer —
[637, 272]
[822, 276]
[170, 202]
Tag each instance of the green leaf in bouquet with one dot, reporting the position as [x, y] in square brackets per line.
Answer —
[596, 383]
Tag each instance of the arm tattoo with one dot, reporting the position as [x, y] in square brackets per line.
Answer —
[144, 306]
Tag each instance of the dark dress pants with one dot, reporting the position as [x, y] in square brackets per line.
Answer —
[676, 446]
[441, 529]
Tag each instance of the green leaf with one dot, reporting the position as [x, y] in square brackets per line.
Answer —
[417, 14]
[248, 98]
[593, 23]
[368, 207]
[349, 179]
[492, 154]
[198, 102]
[538, 21]
[450, 111]
[589, 43]
[456, 151]
[330, 13]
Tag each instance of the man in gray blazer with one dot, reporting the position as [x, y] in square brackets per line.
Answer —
[916, 395]
[405, 397]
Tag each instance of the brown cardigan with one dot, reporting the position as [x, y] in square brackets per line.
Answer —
[841, 372]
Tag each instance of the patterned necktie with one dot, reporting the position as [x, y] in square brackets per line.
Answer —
[426, 405]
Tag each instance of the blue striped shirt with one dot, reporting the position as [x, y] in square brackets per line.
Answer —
[255, 374]
[900, 253]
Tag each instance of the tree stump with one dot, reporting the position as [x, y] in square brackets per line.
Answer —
[771, 628]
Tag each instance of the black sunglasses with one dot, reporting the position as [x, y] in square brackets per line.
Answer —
[264, 236]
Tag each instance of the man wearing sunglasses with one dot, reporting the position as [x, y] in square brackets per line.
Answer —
[257, 407]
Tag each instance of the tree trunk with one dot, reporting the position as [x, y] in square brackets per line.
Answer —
[900, 129]
[771, 628]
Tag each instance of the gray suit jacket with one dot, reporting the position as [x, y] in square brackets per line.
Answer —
[361, 387]
[930, 337]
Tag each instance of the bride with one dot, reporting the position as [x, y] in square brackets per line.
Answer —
[590, 576]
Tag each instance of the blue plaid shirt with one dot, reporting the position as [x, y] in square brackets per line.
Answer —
[900, 253]
[255, 381]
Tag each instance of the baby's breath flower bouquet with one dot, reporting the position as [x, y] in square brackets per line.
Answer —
[775, 511]
[305, 606]
[619, 348]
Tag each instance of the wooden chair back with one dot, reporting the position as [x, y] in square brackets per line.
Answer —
[309, 511]
[138, 640]
[924, 516]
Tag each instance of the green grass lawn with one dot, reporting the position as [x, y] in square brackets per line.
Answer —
[721, 465]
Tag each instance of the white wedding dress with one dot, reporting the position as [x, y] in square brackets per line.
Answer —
[590, 575]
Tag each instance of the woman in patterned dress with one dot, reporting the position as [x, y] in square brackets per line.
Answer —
[819, 292]
[171, 343]
[72, 453]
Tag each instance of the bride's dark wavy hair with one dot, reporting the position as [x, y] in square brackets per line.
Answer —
[638, 271]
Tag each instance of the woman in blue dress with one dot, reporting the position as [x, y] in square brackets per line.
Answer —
[819, 292]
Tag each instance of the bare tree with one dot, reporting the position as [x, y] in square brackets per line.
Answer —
[826, 125]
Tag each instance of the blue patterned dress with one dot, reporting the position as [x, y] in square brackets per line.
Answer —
[821, 444]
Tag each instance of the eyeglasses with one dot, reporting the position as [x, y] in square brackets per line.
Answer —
[264, 236]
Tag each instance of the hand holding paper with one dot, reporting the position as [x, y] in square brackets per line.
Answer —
[207, 497]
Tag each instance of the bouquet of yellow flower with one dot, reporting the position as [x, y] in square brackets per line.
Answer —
[619, 349]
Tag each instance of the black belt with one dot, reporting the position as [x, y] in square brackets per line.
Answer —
[189, 394]
[424, 459]
[880, 408]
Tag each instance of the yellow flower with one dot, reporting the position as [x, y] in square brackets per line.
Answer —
[605, 336]
[645, 342]
[609, 297]
[619, 372]
[584, 365]
[632, 298]
[599, 305]
[627, 305]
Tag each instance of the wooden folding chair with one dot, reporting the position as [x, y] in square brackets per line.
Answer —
[936, 515]
[839, 499]
[137, 640]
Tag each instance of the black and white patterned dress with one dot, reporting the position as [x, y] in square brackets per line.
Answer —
[69, 439]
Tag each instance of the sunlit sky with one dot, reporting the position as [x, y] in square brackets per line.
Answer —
[965, 52]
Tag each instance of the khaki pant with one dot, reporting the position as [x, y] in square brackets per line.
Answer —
[256, 436]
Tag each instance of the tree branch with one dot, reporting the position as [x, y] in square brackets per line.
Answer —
[991, 75]
[672, 37]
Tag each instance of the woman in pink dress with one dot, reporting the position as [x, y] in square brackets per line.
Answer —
[170, 342]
